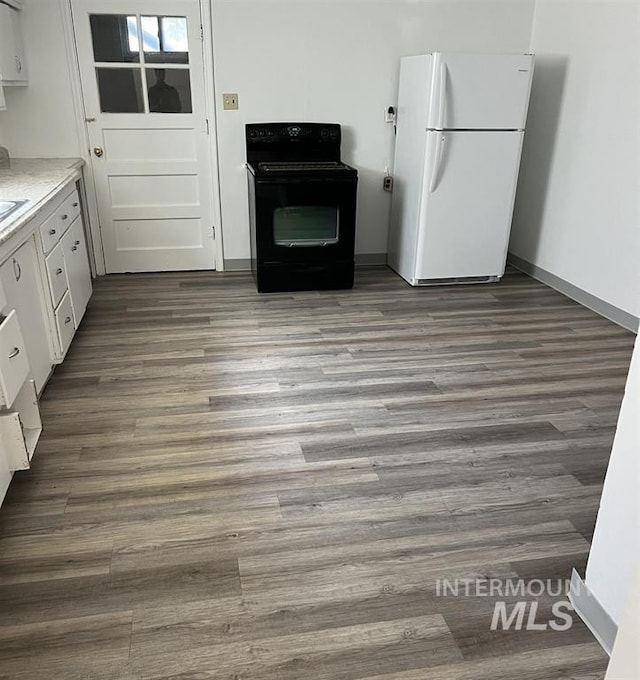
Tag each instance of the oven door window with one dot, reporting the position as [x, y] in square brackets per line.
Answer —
[306, 225]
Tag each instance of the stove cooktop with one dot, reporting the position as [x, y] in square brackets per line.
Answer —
[299, 166]
[279, 170]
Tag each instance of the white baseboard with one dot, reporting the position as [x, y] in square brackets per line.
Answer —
[593, 614]
[609, 311]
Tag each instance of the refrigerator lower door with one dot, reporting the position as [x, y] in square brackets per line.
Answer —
[467, 204]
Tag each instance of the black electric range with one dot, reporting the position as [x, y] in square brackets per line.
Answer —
[302, 205]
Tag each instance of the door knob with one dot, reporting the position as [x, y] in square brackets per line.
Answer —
[98, 151]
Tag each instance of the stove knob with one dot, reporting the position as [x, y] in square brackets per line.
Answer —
[252, 134]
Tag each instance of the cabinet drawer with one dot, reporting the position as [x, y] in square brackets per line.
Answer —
[14, 364]
[52, 229]
[64, 321]
[69, 210]
[56, 273]
[50, 232]
[20, 428]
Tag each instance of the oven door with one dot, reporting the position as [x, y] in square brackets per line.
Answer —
[305, 220]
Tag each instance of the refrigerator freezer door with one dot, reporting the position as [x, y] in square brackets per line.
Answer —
[480, 91]
[467, 204]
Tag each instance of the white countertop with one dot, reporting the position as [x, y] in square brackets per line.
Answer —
[36, 180]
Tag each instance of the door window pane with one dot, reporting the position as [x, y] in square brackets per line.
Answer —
[305, 225]
[174, 34]
[150, 34]
[169, 90]
[120, 90]
[115, 37]
[165, 40]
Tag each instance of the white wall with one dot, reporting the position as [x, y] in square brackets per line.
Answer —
[615, 550]
[578, 204]
[39, 120]
[324, 60]
[625, 657]
[288, 59]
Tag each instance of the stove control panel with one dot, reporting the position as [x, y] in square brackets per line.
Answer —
[291, 132]
[293, 141]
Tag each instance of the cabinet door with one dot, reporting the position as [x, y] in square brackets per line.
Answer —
[56, 268]
[77, 266]
[21, 283]
[13, 68]
[5, 475]
[14, 363]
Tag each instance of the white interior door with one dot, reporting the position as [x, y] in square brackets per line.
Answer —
[141, 67]
[467, 203]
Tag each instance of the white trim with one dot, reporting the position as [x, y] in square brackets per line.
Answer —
[206, 18]
[595, 304]
[96, 251]
[591, 611]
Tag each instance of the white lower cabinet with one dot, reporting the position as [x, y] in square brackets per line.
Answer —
[21, 282]
[45, 285]
[76, 262]
[62, 247]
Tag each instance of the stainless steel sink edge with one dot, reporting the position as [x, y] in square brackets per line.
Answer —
[8, 207]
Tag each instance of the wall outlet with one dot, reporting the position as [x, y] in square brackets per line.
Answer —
[230, 101]
[387, 183]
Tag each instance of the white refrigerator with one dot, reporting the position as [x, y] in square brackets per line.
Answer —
[460, 125]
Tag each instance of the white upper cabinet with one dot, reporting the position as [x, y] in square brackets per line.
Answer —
[13, 66]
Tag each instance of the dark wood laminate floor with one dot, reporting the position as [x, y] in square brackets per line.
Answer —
[267, 487]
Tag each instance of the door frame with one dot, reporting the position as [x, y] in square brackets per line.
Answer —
[97, 251]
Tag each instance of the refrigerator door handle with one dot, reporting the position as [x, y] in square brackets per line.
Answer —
[437, 162]
[443, 95]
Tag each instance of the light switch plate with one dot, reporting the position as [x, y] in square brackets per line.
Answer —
[229, 100]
